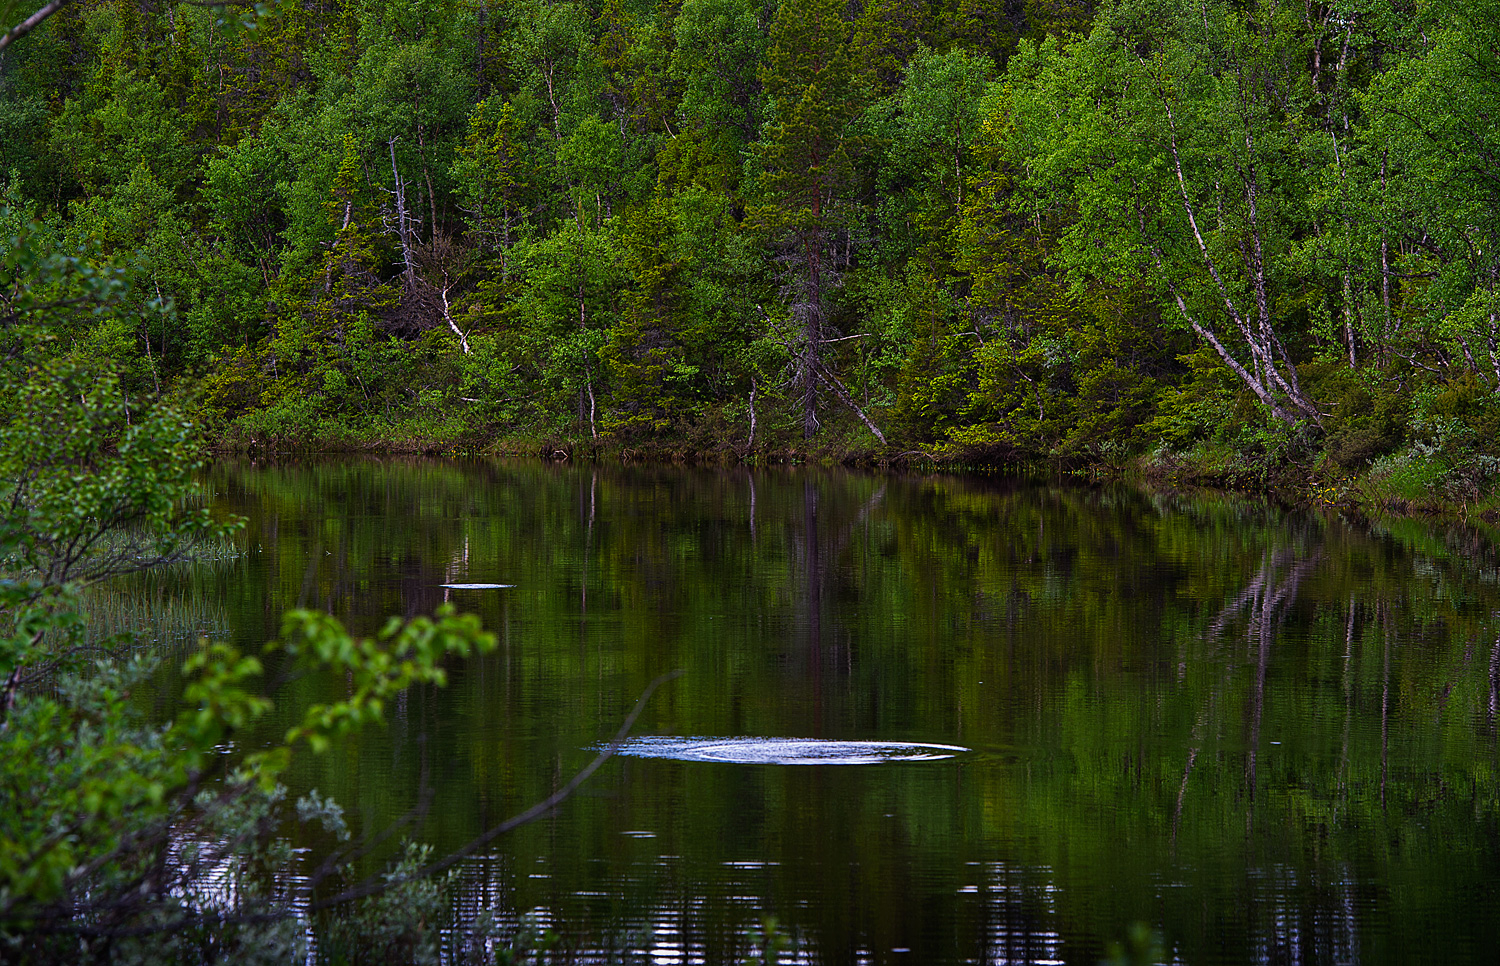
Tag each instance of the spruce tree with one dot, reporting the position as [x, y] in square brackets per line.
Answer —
[806, 172]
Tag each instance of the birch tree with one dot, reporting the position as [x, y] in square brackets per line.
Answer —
[1432, 162]
[1172, 134]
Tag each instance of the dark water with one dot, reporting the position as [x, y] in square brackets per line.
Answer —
[1270, 736]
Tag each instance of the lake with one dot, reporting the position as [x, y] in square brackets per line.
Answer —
[919, 719]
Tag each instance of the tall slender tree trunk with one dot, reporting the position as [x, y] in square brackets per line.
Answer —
[1385, 265]
[403, 221]
[812, 336]
[588, 373]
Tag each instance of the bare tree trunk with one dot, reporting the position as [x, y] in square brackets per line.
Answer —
[1385, 264]
[480, 17]
[1468, 354]
[1349, 318]
[1251, 379]
[30, 23]
[426, 176]
[812, 333]
[588, 374]
[1285, 374]
[751, 443]
[463, 340]
[552, 97]
[958, 171]
[403, 221]
[1494, 357]
[842, 392]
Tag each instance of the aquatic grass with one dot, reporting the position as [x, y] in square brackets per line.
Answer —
[162, 606]
[144, 546]
[166, 613]
[163, 620]
[136, 548]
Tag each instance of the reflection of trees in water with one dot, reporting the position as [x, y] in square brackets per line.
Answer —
[1305, 920]
[1048, 622]
[1319, 908]
[1289, 921]
[659, 912]
[641, 916]
[168, 620]
[210, 877]
[1494, 702]
[1267, 599]
[819, 545]
[1265, 603]
[1018, 912]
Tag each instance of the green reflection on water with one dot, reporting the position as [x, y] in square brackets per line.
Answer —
[1269, 735]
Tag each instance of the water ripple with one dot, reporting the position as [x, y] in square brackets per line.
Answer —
[787, 751]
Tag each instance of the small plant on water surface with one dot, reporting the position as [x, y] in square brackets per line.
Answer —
[1142, 947]
[769, 941]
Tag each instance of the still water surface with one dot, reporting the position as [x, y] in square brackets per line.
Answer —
[928, 720]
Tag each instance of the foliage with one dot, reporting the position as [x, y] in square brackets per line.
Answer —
[119, 834]
[985, 230]
[93, 489]
[122, 833]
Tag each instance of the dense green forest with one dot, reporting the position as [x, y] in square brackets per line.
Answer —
[1223, 239]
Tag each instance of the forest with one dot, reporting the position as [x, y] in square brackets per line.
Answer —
[1240, 242]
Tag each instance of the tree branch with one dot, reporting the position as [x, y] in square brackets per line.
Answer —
[35, 20]
[371, 887]
[30, 23]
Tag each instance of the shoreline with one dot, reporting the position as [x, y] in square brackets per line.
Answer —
[1367, 493]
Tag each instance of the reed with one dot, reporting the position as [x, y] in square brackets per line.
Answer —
[160, 618]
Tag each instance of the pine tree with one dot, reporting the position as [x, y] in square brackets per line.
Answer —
[806, 170]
